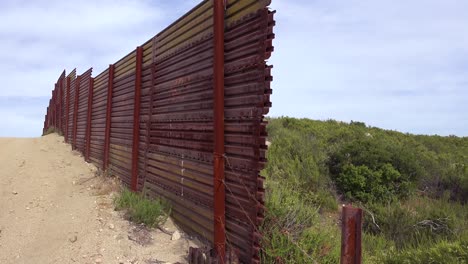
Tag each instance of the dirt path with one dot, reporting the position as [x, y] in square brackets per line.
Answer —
[54, 209]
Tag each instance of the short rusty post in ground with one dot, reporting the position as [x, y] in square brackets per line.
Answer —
[351, 228]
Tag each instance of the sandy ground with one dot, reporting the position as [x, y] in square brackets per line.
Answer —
[55, 208]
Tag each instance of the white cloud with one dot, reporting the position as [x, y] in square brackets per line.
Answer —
[395, 64]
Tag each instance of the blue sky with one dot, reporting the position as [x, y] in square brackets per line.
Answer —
[400, 65]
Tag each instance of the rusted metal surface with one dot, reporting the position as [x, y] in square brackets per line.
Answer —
[75, 110]
[89, 122]
[61, 102]
[110, 89]
[136, 118]
[182, 117]
[351, 221]
[82, 110]
[98, 118]
[71, 79]
[219, 203]
[122, 118]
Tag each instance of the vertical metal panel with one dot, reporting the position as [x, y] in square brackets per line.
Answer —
[75, 110]
[98, 118]
[136, 117]
[82, 111]
[71, 105]
[122, 118]
[110, 88]
[61, 101]
[89, 123]
[218, 123]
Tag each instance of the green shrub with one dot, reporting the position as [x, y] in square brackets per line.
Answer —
[371, 170]
[367, 185]
[417, 222]
[443, 252]
[140, 209]
[292, 232]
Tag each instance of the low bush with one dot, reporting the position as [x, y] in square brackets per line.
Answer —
[443, 252]
[418, 222]
[142, 210]
[292, 230]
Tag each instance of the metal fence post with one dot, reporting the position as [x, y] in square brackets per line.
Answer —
[218, 126]
[136, 118]
[105, 162]
[75, 114]
[351, 252]
[88, 124]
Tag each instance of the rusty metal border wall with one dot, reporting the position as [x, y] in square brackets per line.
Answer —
[182, 116]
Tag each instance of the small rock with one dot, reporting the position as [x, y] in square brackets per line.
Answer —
[27, 208]
[98, 260]
[111, 226]
[73, 239]
[15, 192]
[175, 235]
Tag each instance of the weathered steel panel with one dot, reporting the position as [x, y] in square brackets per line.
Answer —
[70, 106]
[98, 118]
[120, 152]
[82, 113]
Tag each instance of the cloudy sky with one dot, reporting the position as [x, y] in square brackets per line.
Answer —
[400, 65]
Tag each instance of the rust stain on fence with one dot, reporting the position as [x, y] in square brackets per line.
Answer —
[182, 117]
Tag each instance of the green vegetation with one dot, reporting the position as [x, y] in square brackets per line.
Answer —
[414, 190]
[140, 209]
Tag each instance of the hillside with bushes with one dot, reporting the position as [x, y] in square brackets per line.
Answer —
[413, 189]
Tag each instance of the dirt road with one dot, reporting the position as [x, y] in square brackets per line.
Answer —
[54, 209]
